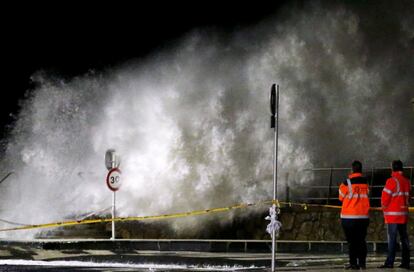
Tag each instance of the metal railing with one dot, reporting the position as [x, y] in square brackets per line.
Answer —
[326, 193]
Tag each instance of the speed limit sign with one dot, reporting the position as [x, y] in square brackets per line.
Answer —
[113, 179]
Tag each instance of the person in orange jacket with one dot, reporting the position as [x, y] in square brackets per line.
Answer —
[395, 201]
[353, 193]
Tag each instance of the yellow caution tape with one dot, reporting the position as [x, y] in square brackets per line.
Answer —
[175, 215]
[275, 202]
[132, 218]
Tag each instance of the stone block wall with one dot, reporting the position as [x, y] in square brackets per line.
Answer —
[312, 224]
[324, 224]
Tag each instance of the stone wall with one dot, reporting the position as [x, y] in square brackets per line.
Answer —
[324, 224]
[311, 224]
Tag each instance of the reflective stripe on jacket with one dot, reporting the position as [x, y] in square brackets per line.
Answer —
[354, 196]
[395, 199]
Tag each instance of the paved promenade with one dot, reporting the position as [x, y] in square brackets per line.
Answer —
[189, 255]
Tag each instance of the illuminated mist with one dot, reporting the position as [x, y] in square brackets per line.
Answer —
[191, 123]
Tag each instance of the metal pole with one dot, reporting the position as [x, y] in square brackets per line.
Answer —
[113, 216]
[113, 205]
[275, 154]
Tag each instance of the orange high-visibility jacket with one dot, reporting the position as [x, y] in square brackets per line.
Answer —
[395, 199]
[354, 196]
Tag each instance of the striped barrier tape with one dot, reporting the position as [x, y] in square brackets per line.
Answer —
[306, 205]
[132, 218]
[174, 215]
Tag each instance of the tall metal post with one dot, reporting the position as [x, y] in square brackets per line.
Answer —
[113, 207]
[275, 155]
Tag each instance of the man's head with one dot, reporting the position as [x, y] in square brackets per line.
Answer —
[356, 167]
[397, 165]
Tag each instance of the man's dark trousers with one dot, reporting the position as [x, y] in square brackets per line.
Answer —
[355, 232]
[392, 243]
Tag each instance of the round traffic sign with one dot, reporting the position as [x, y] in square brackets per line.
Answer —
[113, 179]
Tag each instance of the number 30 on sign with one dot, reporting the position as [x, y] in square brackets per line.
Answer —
[113, 179]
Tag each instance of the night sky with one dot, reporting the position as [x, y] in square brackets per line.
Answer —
[70, 39]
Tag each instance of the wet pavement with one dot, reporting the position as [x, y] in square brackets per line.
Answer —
[53, 261]
[118, 256]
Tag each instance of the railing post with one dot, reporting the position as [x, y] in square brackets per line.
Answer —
[372, 178]
[287, 188]
[371, 183]
[330, 186]
[411, 181]
[287, 196]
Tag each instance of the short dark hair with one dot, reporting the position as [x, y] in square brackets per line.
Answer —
[397, 165]
[356, 167]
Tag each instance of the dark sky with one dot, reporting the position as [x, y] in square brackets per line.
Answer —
[68, 39]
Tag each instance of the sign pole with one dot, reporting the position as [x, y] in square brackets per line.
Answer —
[113, 207]
[274, 124]
[113, 180]
[113, 215]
